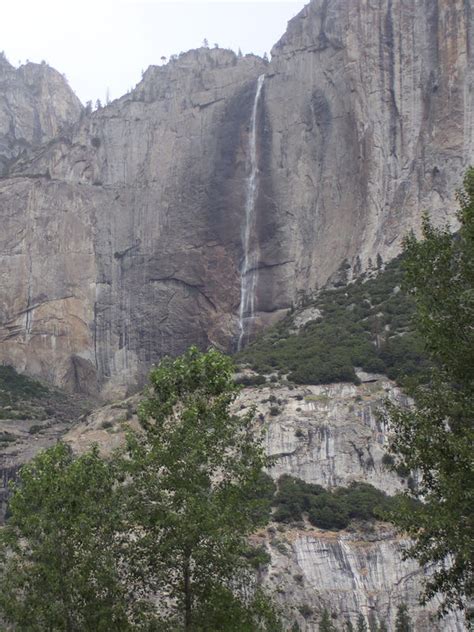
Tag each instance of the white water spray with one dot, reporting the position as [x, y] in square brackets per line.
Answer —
[249, 270]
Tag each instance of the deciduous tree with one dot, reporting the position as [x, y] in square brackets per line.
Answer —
[434, 438]
[60, 559]
[193, 471]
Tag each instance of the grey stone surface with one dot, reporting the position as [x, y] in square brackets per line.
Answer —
[370, 116]
[122, 237]
[122, 241]
[330, 435]
[36, 105]
[347, 573]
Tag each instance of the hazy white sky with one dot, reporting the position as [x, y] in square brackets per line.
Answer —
[102, 44]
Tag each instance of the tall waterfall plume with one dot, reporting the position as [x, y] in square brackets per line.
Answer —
[249, 269]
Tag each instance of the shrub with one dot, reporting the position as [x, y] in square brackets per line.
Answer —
[258, 556]
[329, 509]
[293, 498]
[260, 498]
[402, 470]
[327, 512]
[35, 428]
[7, 437]
[15, 387]
[365, 324]
[305, 610]
[250, 380]
[387, 460]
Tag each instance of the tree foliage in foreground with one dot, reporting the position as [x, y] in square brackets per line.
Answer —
[435, 438]
[194, 472]
[61, 563]
[153, 539]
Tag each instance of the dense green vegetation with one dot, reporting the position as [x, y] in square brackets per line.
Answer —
[90, 542]
[14, 386]
[436, 436]
[367, 324]
[329, 509]
[59, 562]
[22, 397]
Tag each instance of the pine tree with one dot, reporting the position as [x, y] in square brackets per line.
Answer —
[325, 623]
[403, 621]
[361, 623]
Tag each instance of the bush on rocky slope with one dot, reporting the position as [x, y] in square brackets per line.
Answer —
[329, 509]
[22, 397]
[366, 324]
[14, 386]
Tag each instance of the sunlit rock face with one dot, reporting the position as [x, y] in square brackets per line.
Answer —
[122, 237]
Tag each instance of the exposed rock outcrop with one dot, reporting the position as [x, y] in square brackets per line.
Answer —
[36, 105]
[122, 238]
[370, 113]
[349, 574]
[329, 435]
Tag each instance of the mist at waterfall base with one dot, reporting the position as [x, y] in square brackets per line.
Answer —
[249, 267]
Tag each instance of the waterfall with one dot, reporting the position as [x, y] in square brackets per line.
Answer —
[248, 269]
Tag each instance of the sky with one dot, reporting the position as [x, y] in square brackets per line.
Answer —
[104, 45]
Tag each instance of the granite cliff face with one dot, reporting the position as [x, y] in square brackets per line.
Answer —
[122, 240]
[347, 573]
[123, 237]
[371, 113]
[36, 105]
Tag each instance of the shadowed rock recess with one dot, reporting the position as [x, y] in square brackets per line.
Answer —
[121, 234]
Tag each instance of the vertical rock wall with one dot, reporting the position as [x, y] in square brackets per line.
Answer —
[122, 238]
[371, 110]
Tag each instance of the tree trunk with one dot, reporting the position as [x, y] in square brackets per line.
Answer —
[187, 595]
